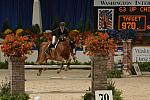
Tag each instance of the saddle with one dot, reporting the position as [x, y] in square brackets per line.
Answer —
[60, 39]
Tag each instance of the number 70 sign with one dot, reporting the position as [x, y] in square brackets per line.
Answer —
[103, 95]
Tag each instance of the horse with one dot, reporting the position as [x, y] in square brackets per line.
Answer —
[61, 53]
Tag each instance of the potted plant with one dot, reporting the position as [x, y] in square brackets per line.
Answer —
[98, 45]
[15, 47]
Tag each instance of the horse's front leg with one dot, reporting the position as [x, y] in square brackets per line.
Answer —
[61, 67]
[39, 72]
[68, 64]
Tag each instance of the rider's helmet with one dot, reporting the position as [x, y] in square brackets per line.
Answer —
[62, 24]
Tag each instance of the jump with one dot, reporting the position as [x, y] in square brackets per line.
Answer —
[58, 49]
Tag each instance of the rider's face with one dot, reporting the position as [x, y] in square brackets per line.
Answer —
[62, 27]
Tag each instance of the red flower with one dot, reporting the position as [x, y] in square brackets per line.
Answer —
[99, 43]
[14, 45]
[25, 38]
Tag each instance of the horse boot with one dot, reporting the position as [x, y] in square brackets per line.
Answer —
[52, 46]
[47, 51]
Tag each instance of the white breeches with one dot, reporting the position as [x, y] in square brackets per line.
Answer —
[53, 39]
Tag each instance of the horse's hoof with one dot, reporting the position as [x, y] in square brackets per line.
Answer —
[89, 76]
[36, 63]
[65, 68]
[44, 69]
[69, 68]
[58, 71]
[38, 74]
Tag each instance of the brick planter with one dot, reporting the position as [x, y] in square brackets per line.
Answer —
[99, 73]
[16, 74]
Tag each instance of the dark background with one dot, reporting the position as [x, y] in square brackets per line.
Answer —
[77, 13]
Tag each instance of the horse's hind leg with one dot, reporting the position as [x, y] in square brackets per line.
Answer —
[40, 70]
[44, 69]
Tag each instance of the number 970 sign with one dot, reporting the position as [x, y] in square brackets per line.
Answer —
[103, 95]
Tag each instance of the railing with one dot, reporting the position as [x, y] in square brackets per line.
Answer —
[57, 66]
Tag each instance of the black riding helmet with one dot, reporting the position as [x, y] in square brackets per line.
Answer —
[62, 24]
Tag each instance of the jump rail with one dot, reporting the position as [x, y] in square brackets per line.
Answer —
[57, 66]
[32, 92]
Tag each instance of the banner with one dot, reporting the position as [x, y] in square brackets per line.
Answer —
[121, 2]
[36, 18]
[141, 54]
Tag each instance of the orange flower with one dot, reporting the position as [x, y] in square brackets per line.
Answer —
[16, 45]
[98, 44]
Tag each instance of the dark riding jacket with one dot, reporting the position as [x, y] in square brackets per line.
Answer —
[57, 32]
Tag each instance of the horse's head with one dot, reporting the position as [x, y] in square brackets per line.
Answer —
[73, 35]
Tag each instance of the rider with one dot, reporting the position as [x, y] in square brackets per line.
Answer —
[61, 31]
[57, 33]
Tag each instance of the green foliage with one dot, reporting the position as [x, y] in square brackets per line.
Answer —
[56, 22]
[116, 93]
[114, 73]
[66, 24]
[88, 25]
[145, 66]
[19, 26]
[87, 96]
[5, 25]
[4, 65]
[79, 25]
[53, 63]
[76, 63]
[36, 29]
[4, 88]
[6, 95]
[29, 63]
[111, 86]
[38, 41]
[57, 63]
[87, 63]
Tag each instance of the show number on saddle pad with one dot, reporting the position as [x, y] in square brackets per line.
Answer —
[103, 95]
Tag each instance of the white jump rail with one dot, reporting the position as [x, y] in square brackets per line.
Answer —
[57, 66]
[32, 92]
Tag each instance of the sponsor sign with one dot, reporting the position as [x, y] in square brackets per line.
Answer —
[141, 54]
[121, 2]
